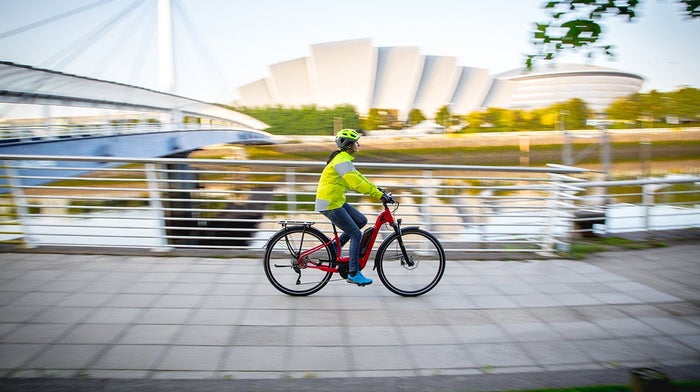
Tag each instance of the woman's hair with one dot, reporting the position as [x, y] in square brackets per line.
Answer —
[333, 154]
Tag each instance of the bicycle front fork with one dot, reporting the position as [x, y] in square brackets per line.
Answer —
[404, 254]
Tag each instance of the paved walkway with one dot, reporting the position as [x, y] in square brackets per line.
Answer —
[96, 322]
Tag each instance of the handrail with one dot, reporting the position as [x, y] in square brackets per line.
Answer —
[234, 205]
[372, 165]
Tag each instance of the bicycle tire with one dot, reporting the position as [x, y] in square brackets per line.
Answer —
[282, 268]
[427, 255]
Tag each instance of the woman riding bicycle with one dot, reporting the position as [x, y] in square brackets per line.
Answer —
[337, 177]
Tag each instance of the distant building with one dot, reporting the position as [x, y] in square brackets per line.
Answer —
[401, 78]
[545, 85]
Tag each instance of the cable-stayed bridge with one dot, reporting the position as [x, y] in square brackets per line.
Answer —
[110, 118]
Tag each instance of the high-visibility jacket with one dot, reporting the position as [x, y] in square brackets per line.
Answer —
[338, 176]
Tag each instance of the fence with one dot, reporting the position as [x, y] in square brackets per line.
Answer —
[165, 204]
[34, 133]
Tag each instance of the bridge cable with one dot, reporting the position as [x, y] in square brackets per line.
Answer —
[136, 29]
[52, 19]
[86, 41]
[83, 43]
[203, 49]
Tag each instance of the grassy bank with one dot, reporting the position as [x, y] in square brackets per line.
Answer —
[691, 386]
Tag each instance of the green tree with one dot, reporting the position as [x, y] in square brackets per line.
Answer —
[443, 116]
[306, 120]
[626, 108]
[574, 113]
[415, 116]
[685, 103]
[373, 120]
[654, 106]
[576, 24]
[348, 115]
[499, 118]
[475, 119]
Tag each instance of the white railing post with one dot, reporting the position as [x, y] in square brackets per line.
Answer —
[648, 192]
[156, 205]
[427, 192]
[291, 196]
[549, 238]
[21, 205]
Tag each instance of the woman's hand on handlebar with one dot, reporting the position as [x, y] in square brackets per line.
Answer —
[387, 198]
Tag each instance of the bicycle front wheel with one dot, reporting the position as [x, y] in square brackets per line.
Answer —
[283, 268]
[417, 274]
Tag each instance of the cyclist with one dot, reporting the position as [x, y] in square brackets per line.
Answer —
[338, 176]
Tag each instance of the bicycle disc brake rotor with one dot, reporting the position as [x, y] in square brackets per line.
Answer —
[407, 266]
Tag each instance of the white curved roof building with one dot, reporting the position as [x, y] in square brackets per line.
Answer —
[357, 73]
[542, 86]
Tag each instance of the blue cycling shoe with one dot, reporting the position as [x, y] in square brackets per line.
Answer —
[359, 279]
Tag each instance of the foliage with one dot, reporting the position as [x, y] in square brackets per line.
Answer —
[639, 109]
[307, 120]
[571, 114]
[475, 119]
[382, 119]
[415, 116]
[443, 116]
[372, 120]
[652, 107]
[575, 24]
[626, 109]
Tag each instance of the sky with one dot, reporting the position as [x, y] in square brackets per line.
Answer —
[224, 44]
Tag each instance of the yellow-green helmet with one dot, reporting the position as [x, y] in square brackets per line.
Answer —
[346, 137]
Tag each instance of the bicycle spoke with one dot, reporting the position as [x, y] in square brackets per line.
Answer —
[416, 275]
[286, 272]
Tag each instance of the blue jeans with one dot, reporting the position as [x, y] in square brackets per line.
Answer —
[348, 219]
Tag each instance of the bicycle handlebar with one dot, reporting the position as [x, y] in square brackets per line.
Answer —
[388, 199]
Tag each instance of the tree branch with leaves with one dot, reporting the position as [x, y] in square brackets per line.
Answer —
[577, 24]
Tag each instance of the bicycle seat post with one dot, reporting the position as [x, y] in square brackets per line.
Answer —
[335, 230]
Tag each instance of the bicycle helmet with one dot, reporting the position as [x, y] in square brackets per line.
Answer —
[346, 137]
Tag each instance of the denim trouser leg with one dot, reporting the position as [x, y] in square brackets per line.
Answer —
[350, 221]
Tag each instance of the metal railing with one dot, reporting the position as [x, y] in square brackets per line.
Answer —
[165, 204]
[35, 133]
[646, 205]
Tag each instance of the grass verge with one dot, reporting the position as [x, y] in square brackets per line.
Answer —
[581, 249]
[689, 386]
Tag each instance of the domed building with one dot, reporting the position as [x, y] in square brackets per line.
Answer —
[401, 78]
[544, 85]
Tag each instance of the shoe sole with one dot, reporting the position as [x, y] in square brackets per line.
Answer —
[360, 284]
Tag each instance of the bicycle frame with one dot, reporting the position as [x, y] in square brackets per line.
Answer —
[384, 217]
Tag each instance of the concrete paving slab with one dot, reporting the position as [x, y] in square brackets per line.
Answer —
[146, 321]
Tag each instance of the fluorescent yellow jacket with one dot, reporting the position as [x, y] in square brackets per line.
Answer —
[338, 176]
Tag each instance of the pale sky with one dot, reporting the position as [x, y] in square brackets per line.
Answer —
[242, 38]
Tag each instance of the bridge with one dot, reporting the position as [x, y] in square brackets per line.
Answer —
[27, 85]
[87, 116]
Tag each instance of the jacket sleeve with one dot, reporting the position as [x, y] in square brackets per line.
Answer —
[357, 181]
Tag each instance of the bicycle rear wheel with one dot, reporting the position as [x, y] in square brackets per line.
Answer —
[282, 267]
[423, 269]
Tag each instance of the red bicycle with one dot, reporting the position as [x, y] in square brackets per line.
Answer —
[300, 259]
